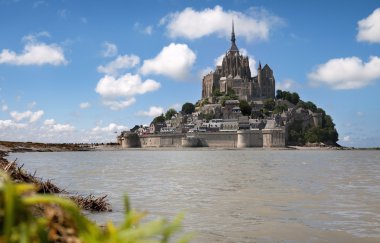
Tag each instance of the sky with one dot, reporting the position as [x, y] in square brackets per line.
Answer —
[82, 71]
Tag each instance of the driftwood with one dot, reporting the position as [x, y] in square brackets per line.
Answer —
[92, 203]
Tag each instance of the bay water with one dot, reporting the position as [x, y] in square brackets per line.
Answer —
[248, 195]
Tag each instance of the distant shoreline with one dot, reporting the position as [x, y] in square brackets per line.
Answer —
[14, 147]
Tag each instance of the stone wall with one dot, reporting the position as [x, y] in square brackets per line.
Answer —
[162, 140]
[218, 139]
[273, 137]
[233, 139]
[249, 138]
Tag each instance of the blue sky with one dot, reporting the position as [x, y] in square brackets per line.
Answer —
[78, 71]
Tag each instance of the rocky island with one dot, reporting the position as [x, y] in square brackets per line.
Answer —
[237, 110]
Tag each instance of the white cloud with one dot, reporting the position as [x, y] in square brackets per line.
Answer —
[148, 30]
[346, 73]
[110, 49]
[9, 124]
[63, 13]
[125, 86]
[360, 113]
[153, 111]
[35, 53]
[36, 116]
[119, 104]
[84, 105]
[369, 28]
[176, 106]
[4, 108]
[174, 61]
[112, 127]
[287, 84]
[52, 126]
[256, 23]
[18, 116]
[32, 116]
[204, 72]
[49, 122]
[120, 63]
[346, 139]
[32, 104]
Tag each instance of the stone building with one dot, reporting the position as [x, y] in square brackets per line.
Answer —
[235, 74]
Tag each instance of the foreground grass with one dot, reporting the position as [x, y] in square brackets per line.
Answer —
[26, 216]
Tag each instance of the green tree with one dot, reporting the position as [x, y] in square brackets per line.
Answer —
[294, 98]
[269, 104]
[279, 94]
[188, 108]
[135, 128]
[245, 108]
[280, 108]
[170, 113]
[159, 119]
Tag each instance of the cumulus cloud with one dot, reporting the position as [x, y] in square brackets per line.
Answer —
[120, 63]
[52, 126]
[174, 61]
[32, 116]
[152, 112]
[84, 105]
[49, 122]
[112, 127]
[9, 124]
[35, 53]
[35, 116]
[346, 73]
[256, 23]
[287, 84]
[125, 86]
[110, 49]
[119, 104]
[369, 28]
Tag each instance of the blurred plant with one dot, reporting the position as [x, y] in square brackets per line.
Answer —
[29, 217]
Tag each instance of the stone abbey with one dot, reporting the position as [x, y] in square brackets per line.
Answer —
[235, 74]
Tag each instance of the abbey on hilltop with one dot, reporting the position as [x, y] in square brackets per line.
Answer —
[235, 74]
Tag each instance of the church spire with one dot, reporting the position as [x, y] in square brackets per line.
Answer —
[233, 33]
[233, 39]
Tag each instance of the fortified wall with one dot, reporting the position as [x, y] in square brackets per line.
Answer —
[236, 139]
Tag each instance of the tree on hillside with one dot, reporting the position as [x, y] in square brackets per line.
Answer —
[188, 108]
[170, 113]
[135, 128]
[279, 94]
[269, 104]
[245, 108]
[293, 98]
[159, 119]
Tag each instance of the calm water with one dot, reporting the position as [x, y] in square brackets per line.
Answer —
[233, 195]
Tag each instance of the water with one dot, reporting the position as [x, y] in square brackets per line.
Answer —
[251, 195]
